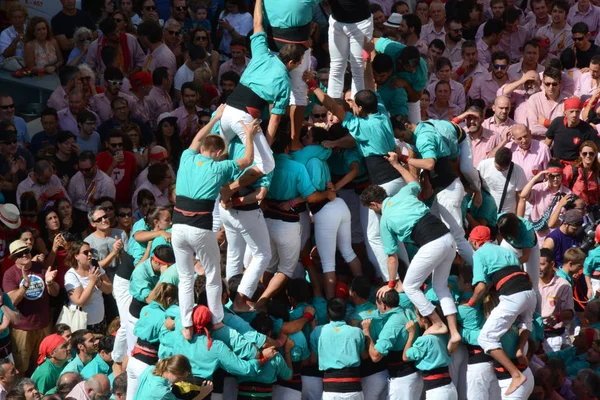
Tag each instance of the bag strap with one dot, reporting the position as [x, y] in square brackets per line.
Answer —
[575, 176]
[510, 169]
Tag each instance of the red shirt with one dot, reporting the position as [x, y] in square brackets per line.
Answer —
[123, 174]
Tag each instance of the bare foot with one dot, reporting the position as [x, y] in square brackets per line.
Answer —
[453, 343]
[436, 329]
[515, 383]
[188, 332]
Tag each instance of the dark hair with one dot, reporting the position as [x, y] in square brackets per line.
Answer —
[107, 26]
[151, 30]
[508, 225]
[580, 27]
[531, 43]
[466, 273]
[41, 166]
[291, 52]
[467, 44]
[361, 286]
[197, 53]
[336, 309]
[116, 101]
[561, 4]
[569, 60]
[440, 83]
[299, 290]
[553, 73]
[29, 202]
[443, 62]
[104, 199]
[373, 8]
[114, 133]
[382, 63]
[548, 254]
[319, 135]
[157, 173]
[510, 15]
[144, 194]
[499, 56]
[554, 163]
[106, 343]
[503, 157]
[60, 329]
[164, 252]
[175, 142]
[493, 27]
[49, 111]
[189, 86]
[367, 99]
[283, 138]
[159, 75]
[231, 76]
[84, 116]
[373, 194]
[63, 136]
[438, 44]
[412, 21]
[67, 74]
[234, 283]
[410, 57]
[391, 299]
[337, 131]
[262, 323]
[120, 383]
[108, 55]
[77, 338]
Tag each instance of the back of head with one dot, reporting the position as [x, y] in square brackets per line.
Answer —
[262, 323]
[493, 27]
[299, 290]
[382, 63]
[97, 383]
[159, 75]
[373, 194]
[108, 26]
[108, 55]
[411, 57]
[336, 309]
[67, 74]
[503, 157]
[67, 382]
[291, 52]
[213, 143]
[151, 30]
[197, 53]
[106, 344]
[590, 381]
[367, 99]
[574, 256]
[361, 286]
[390, 299]
[508, 225]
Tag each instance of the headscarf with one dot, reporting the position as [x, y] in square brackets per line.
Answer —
[48, 345]
[480, 234]
[200, 318]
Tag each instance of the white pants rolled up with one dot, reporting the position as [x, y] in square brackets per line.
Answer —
[523, 392]
[285, 246]
[482, 382]
[123, 299]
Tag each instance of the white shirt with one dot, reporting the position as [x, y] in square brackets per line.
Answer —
[95, 305]
[84, 198]
[494, 180]
[29, 185]
[183, 75]
[6, 38]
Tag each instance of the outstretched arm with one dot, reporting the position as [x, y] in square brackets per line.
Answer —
[195, 145]
[330, 104]
[258, 17]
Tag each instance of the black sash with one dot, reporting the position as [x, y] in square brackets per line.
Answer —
[506, 285]
[244, 99]
[380, 170]
[135, 308]
[345, 380]
[428, 229]
[279, 37]
[196, 213]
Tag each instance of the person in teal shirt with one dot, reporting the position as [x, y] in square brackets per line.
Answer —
[193, 237]
[429, 354]
[404, 379]
[54, 353]
[591, 268]
[339, 348]
[484, 214]
[153, 318]
[499, 266]
[170, 275]
[102, 363]
[405, 218]
[141, 234]
[265, 81]
[394, 99]
[86, 346]
[573, 261]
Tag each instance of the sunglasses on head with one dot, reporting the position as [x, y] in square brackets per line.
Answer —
[125, 214]
[100, 218]
[319, 115]
[8, 107]
[150, 8]
[500, 67]
[553, 84]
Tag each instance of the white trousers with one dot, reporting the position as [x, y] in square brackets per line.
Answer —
[298, 94]
[230, 127]
[555, 343]
[352, 200]
[370, 220]
[458, 370]
[286, 393]
[343, 396]
[414, 112]
[333, 231]
[447, 206]
[246, 228]
[523, 392]
[482, 382]
[466, 164]
[446, 392]
[519, 305]
[595, 286]
[409, 387]
[433, 258]
[135, 368]
[131, 338]
[375, 386]
[532, 267]
[346, 43]
[285, 246]
[123, 299]
[189, 244]
[312, 388]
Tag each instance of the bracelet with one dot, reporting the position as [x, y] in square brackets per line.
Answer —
[308, 316]
[546, 123]
[262, 359]
[312, 84]
[456, 120]
[392, 284]
[471, 303]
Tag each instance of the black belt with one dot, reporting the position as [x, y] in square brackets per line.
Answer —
[550, 333]
[243, 98]
[477, 355]
[380, 170]
[510, 280]
[345, 380]
[316, 207]
[427, 229]
[436, 378]
[273, 211]
[277, 38]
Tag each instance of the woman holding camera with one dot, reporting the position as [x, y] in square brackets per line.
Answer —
[582, 176]
[85, 284]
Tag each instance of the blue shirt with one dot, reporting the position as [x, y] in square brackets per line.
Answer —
[266, 75]
[562, 243]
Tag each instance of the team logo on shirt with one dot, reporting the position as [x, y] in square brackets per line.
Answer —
[200, 163]
[389, 203]
[336, 329]
[534, 171]
[576, 140]
[36, 287]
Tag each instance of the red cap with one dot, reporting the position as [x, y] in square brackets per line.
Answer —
[140, 79]
[341, 290]
[543, 41]
[573, 104]
[480, 234]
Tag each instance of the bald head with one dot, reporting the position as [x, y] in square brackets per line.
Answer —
[97, 385]
[521, 136]
[67, 382]
[501, 108]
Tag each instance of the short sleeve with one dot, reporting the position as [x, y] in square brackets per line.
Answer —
[521, 179]
[418, 350]
[303, 183]
[387, 338]
[258, 44]
[227, 169]
[550, 132]
[282, 98]
[71, 281]
[388, 237]
[426, 146]
[352, 123]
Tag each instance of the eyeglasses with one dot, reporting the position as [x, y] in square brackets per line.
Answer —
[9, 142]
[180, 8]
[116, 144]
[86, 39]
[100, 218]
[115, 83]
[86, 252]
[109, 208]
[320, 115]
[8, 107]
[500, 67]
[86, 170]
[554, 176]
[125, 214]
[200, 38]
[149, 204]
[24, 253]
[588, 153]
[118, 20]
[150, 8]
[89, 123]
[553, 84]
[175, 33]
[578, 39]
[455, 30]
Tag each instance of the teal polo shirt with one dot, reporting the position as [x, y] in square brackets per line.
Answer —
[134, 248]
[269, 373]
[470, 319]
[393, 335]
[526, 238]
[430, 352]
[288, 13]
[429, 143]
[97, 366]
[289, 180]
[266, 75]
[487, 211]
[561, 273]
[418, 79]
[236, 151]
[448, 133]
[143, 280]
[152, 319]
[194, 168]
[400, 214]
[339, 345]
[395, 100]
[373, 134]
[153, 387]
[489, 259]
[592, 262]
[341, 161]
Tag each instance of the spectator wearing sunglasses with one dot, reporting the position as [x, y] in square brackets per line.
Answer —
[7, 115]
[124, 218]
[101, 103]
[89, 184]
[173, 39]
[158, 53]
[29, 284]
[486, 86]
[583, 49]
[146, 11]
[15, 161]
[119, 164]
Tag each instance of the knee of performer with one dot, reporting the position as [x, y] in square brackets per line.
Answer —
[328, 267]
[410, 287]
[488, 343]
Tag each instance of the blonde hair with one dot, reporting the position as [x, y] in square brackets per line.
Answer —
[162, 292]
[574, 255]
[178, 365]
[490, 301]
[203, 74]
[15, 7]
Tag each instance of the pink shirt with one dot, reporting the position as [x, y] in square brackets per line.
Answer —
[540, 199]
[84, 198]
[533, 160]
[139, 108]
[446, 114]
[585, 86]
[481, 147]
[515, 71]
[591, 17]
[499, 129]
[558, 42]
[58, 99]
[485, 88]
[158, 102]
[557, 296]
[230, 66]
[162, 56]
[512, 43]
[68, 122]
[539, 105]
[467, 78]
[94, 60]
[454, 53]
[161, 198]
[484, 54]
[428, 33]
[29, 185]
[457, 92]
[182, 120]
[100, 104]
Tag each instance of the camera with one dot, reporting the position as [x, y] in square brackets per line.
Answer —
[68, 236]
[588, 230]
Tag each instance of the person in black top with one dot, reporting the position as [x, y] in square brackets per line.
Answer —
[66, 158]
[66, 21]
[565, 134]
[583, 49]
